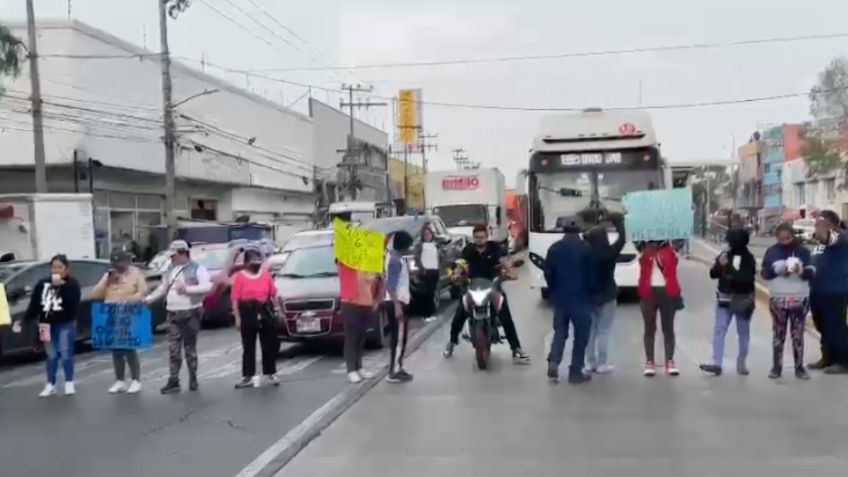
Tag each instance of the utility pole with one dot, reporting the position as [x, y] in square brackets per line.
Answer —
[460, 158]
[350, 162]
[425, 146]
[37, 118]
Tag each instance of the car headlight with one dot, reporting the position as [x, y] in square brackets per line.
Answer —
[479, 296]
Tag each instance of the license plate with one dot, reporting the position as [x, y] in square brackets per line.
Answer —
[308, 326]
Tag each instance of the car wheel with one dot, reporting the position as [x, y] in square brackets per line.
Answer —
[379, 339]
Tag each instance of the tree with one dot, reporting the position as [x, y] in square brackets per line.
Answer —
[820, 150]
[829, 97]
[12, 52]
[822, 142]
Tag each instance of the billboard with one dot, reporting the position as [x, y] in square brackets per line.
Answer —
[409, 115]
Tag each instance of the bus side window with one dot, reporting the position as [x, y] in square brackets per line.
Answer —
[499, 215]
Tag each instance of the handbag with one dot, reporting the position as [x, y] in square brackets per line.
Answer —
[742, 304]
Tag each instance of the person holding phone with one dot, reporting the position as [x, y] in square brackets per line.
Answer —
[123, 283]
[54, 304]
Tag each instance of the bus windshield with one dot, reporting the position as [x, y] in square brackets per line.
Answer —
[462, 215]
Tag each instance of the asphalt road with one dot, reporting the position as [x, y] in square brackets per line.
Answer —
[215, 432]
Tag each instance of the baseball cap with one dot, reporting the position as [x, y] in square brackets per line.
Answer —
[179, 246]
[119, 256]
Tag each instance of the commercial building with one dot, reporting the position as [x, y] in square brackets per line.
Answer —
[750, 179]
[781, 144]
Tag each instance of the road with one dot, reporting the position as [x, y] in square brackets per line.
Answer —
[509, 421]
[214, 432]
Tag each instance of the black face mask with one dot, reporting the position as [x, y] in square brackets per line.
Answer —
[253, 267]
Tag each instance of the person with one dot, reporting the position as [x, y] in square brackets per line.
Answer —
[605, 292]
[359, 292]
[829, 293]
[123, 283]
[486, 259]
[735, 270]
[427, 263]
[570, 276]
[395, 302]
[787, 268]
[659, 292]
[54, 303]
[183, 285]
[253, 295]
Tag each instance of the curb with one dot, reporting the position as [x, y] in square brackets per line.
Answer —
[270, 462]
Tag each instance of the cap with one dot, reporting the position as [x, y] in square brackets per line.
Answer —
[179, 246]
[119, 256]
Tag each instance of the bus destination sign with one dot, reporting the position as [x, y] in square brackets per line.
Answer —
[628, 159]
[591, 159]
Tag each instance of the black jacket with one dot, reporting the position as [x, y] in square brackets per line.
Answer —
[731, 279]
[54, 305]
[604, 257]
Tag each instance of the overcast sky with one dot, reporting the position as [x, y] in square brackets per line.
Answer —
[378, 31]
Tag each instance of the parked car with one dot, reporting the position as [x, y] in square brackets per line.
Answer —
[805, 230]
[450, 249]
[20, 277]
[299, 240]
[308, 284]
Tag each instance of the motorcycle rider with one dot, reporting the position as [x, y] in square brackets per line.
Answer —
[486, 260]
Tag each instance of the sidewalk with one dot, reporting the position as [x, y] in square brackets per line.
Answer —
[509, 421]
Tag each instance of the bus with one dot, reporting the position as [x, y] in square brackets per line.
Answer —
[581, 166]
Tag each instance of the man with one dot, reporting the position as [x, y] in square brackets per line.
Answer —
[183, 285]
[829, 293]
[570, 273]
[123, 283]
[397, 299]
[486, 259]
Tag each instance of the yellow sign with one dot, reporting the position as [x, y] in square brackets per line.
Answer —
[409, 115]
[358, 247]
[5, 316]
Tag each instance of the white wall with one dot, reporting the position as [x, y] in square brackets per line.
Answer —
[129, 92]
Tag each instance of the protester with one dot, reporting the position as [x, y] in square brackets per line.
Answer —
[183, 285]
[54, 304]
[121, 284]
[427, 263]
[605, 292]
[359, 292]
[787, 267]
[396, 300]
[659, 291]
[735, 270]
[570, 275]
[829, 293]
[253, 295]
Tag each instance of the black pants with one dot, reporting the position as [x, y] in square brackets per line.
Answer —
[665, 305]
[357, 319]
[505, 318]
[256, 322]
[394, 325]
[829, 313]
[431, 287]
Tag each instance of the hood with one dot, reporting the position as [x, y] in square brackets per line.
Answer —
[464, 230]
[320, 287]
[597, 237]
[737, 239]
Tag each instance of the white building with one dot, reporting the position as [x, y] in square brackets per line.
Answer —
[803, 192]
[238, 154]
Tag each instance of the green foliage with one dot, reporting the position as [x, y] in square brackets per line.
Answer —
[12, 53]
[829, 97]
[821, 151]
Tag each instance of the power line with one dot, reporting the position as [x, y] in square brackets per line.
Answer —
[554, 56]
[128, 56]
[236, 23]
[248, 15]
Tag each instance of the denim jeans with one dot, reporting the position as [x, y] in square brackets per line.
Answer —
[723, 317]
[61, 347]
[597, 349]
[581, 319]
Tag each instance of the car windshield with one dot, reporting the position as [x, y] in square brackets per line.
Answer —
[805, 223]
[6, 271]
[310, 262]
[211, 258]
[159, 262]
[304, 240]
[411, 225]
[462, 215]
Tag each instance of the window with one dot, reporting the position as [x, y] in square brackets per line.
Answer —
[30, 276]
[204, 209]
[830, 189]
[88, 273]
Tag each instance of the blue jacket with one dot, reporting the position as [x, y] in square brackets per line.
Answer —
[831, 262]
[570, 272]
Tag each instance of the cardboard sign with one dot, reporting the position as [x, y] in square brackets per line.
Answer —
[121, 326]
[5, 314]
[357, 247]
[658, 215]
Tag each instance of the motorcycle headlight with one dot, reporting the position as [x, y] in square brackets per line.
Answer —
[479, 296]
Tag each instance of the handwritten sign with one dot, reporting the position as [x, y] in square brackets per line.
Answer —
[5, 315]
[357, 247]
[120, 326]
[658, 214]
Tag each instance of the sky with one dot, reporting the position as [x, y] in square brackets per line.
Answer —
[356, 32]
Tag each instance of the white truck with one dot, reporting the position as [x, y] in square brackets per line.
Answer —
[38, 226]
[463, 199]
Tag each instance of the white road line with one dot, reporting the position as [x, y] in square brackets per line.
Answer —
[298, 365]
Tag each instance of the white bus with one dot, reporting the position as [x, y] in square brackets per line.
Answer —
[581, 166]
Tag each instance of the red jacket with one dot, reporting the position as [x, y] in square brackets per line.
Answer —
[667, 259]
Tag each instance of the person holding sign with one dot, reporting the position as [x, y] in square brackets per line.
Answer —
[659, 291]
[253, 295]
[54, 304]
[123, 283]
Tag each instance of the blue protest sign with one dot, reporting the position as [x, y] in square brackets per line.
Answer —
[658, 215]
[120, 326]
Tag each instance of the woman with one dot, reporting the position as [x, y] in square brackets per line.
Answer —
[735, 271]
[253, 296]
[787, 267]
[659, 291]
[427, 263]
[54, 304]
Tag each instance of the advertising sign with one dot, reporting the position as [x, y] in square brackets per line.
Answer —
[409, 115]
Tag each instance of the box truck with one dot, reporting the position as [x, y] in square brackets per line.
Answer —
[38, 226]
[463, 199]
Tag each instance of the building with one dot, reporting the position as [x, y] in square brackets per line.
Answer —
[237, 154]
[781, 144]
[749, 194]
[398, 169]
[333, 169]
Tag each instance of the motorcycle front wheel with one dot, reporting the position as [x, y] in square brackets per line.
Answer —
[482, 344]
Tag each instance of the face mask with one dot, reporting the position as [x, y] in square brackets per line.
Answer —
[254, 267]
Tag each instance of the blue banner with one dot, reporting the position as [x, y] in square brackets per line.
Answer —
[658, 215]
[121, 326]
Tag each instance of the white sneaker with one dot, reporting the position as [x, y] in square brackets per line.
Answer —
[605, 369]
[118, 387]
[366, 374]
[49, 390]
[70, 390]
[354, 377]
[135, 387]
[257, 381]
